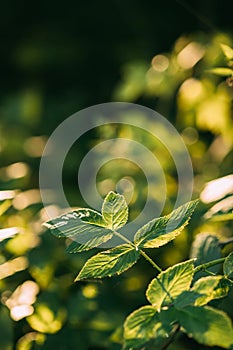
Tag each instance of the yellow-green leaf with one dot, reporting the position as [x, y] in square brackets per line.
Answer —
[207, 325]
[114, 211]
[110, 262]
[162, 230]
[170, 283]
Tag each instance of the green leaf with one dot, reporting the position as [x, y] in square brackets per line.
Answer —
[88, 240]
[170, 283]
[109, 262]
[228, 51]
[75, 222]
[162, 230]
[207, 325]
[222, 71]
[115, 211]
[90, 216]
[228, 266]
[211, 288]
[145, 324]
[186, 298]
[83, 226]
[206, 248]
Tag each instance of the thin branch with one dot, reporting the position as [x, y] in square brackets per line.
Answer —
[150, 260]
[209, 264]
[171, 339]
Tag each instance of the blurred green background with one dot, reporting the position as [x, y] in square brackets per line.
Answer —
[56, 59]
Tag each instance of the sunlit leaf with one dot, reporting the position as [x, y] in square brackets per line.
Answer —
[109, 262]
[170, 283]
[4, 195]
[228, 266]
[222, 71]
[217, 189]
[90, 216]
[9, 232]
[206, 248]
[227, 50]
[45, 321]
[145, 324]
[115, 210]
[211, 288]
[162, 230]
[83, 226]
[89, 239]
[221, 211]
[207, 326]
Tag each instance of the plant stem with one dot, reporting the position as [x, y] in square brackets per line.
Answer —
[150, 260]
[171, 339]
[141, 251]
[209, 264]
[118, 234]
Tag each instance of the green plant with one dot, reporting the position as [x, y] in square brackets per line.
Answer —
[178, 300]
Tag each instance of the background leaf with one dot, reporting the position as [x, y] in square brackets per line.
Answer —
[211, 288]
[221, 211]
[222, 71]
[170, 283]
[207, 326]
[227, 50]
[228, 266]
[162, 230]
[115, 210]
[205, 248]
[109, 262]
[145, 324]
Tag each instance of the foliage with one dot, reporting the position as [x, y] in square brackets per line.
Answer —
[177, 304]
[53, 65]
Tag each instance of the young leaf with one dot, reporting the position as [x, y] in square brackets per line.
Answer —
[109, 262]
[162, 230]
[170, 283]
[228, 266]
[114, 211]
[207, 325]
[206, 248]
[211, 288]
[145, 324]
